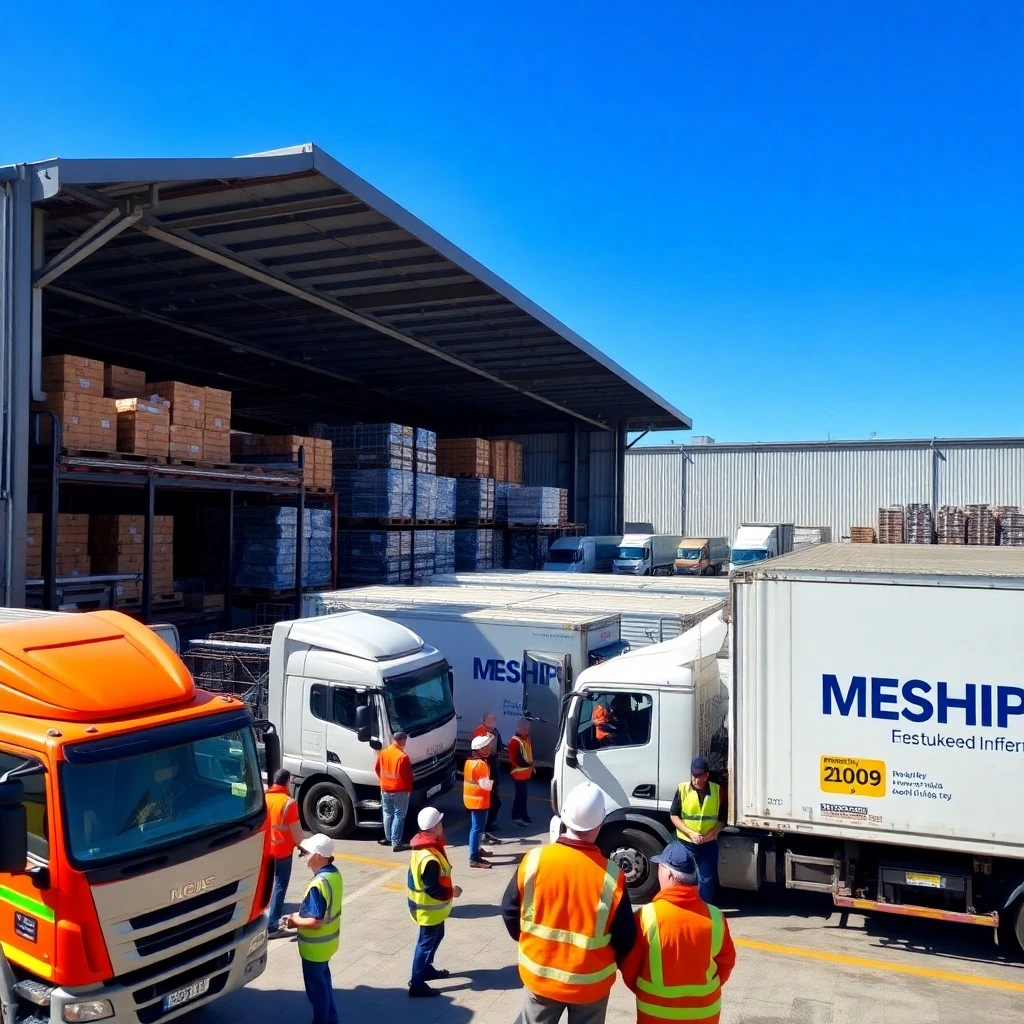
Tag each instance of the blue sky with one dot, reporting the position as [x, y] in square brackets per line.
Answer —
[791, 219]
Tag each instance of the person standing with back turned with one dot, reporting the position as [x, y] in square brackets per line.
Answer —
[520, 757]
[569, 910]
[285, 835]
[698, 812]
[394, 772]
[489, 728]
[476, 796]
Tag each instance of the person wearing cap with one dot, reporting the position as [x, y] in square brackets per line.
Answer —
[285, 835]
[520, 757]
[568, 908]
[430, 895]
[318, 924]
[489, 728]
[684, 952]
[394, 773]
[698, 814]
[476, 795]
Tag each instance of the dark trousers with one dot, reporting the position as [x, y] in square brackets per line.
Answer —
[282, 876]
[519, 798]
[423, 957]
[706, 856]
[492, 811]
[320, 991]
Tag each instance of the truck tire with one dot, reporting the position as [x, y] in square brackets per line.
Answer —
[1011, 930]
[632, 850]
[327, 808]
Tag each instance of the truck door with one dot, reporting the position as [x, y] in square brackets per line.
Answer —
[546, 680]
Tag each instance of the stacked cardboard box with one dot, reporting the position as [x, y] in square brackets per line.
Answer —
[186, 443]
[464, 456]
[88, 421]
[73, 545]
[380, 446]
[188, 403]
[122, 382]
[514, 469]
[499, 461]
[862, 535]
[318, 453]
[117, 545]
[143, 426]
[216, 425]
[72, 374]
[34, 546]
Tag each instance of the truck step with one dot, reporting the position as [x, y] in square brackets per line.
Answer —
[36, 992]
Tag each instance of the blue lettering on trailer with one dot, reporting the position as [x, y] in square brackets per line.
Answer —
[497, 670]
[889, 699]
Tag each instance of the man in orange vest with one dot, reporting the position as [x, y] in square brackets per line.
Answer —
[569, 910]
[476, 795]
[489, 728]
[285, 834]
[520, 757]
[685, 953]
[394, 773]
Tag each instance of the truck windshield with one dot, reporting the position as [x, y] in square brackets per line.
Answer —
[419, 701]
[631, 552]
[748, 556]
[161, 792]
[689, 554]
[564, 556]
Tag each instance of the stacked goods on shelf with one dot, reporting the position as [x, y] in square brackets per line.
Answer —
[34, 546]
[464, 457]
[474, 550]
[73, 545]
[265, 542]
[535, 506]
[283, 449]
[372, 445]
[445, 499]
[501, 490]
[499, 462]
[117, 546]
[74, 393]
[425, 447]
[375, 493]
[890, 525]
[527, 549]
[444, 551]
[72, 375]
[862, 535]
[951, 525]
[563, 506]
[499, 549]
[919, 524]
[474, 499]
[981, 526]
[424, 549]
[143, 426]
[375, 556]
[1011, 525]
[514, 469]
[216, 425]
[425, 489]
[122, 382]
[188, 418]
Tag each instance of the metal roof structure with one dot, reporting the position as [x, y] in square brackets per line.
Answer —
[289, 280]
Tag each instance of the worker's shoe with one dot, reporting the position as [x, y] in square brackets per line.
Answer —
[485, 853]
[488, 837]
[520, 822]
[479, 864]
[422, 992]
[437, 973]
[383, 842]
[401, 848]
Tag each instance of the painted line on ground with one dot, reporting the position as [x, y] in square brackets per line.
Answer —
[880, 965]
[365, 890]
[393, 864]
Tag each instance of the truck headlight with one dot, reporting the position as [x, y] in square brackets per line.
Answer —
[257, 942]
[87, 1009]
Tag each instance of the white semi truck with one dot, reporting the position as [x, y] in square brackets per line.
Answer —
[876, 734]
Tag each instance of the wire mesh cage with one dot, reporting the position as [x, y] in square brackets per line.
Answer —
[235, 663]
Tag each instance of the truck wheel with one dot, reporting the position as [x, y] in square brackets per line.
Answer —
[1011, 930]
[327, 808]
[632, 850]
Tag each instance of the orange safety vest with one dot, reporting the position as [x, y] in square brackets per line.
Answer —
[519, 750]
[389, 762]
[281, 840]
[565, 920]
[474, 796]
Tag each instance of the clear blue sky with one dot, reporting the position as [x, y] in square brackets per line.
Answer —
[791, 219]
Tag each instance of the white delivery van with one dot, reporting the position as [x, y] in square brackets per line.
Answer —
[646, 554]
[582, 554]
[757, 542]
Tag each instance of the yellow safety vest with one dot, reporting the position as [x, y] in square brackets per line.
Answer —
[320, 944]
[700, 817]
[423, 907]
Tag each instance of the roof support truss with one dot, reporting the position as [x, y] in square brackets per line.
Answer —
[109, 226]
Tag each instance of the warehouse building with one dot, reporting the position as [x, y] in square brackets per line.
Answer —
[289, 282]
[711, 489]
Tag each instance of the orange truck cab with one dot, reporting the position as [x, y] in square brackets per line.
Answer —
[134, 843]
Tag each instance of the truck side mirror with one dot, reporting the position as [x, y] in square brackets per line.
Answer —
[364, 723]
[13, 828]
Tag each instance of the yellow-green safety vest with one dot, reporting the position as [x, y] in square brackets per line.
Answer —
[320, 944]
[423, 907]
[700, 817]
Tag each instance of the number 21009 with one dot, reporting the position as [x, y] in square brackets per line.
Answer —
[853, 775]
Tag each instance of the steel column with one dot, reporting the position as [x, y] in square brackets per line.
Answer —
[299, 532]
[147, 552]
[229, 562]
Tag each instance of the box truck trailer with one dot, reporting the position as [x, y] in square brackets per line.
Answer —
[875, 726]
[582, 554]
[757, 542]
[646, 554]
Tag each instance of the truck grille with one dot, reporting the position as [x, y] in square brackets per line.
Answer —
[168, 913]
[184, 932]
[434, 764]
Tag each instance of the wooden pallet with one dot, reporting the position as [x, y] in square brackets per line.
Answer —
[325, 491]
[480, 524]
[350, 523]
[92, 453]
[163, 601]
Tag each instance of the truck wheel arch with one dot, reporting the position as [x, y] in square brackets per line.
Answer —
[625, 818]
[312, 790]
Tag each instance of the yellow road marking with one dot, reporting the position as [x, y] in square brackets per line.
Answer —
[395, 864]
[881, 965]
[394, 886]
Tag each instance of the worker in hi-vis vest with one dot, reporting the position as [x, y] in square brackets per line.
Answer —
[698, 813]
[285, 835]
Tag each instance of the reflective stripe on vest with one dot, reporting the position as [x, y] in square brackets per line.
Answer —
[281, 840]
[423, 907]
[684, 995]
[523, 752]
[474, 796]
[320, 944]
[701, 817]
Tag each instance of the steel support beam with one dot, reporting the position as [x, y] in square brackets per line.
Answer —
[147, 553]
[229, 563]
[110, 226]
[300, 538]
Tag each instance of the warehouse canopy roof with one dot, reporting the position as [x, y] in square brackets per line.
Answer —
[288, 279]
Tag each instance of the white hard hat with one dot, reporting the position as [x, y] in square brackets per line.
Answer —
[479, 742]
[583, 809]
[428, 818]
[321, 845]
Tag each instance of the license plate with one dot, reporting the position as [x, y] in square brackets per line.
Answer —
[434, 790]
[186, 994]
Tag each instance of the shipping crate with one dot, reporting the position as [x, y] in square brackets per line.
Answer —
[88, 422]
[514, 465]
[72, 374]
[217, 411]
[464, 456]
[73, 545]
[186, 443]
[143, 427]
[123, 382]
[188, 403]
[499, 461]
[117, 545]
[216, 446]
[34, 546]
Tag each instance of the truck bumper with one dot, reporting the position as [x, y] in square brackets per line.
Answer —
[162, 997]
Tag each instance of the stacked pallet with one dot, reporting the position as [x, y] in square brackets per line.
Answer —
[535, 506]
[445, 503]
[144, 426]
[444, 551]
[501, 492]
[1011, 525]
[474, 500]
[425, 451]
[265, 542]
[123, 382]
[527, 549]
[919, 524]
[499, 462]
[981, 526]
[277, 449]
[375, 556]
[862, 535]
[73, 545]
[216, 425]
[74, 393]
[375, 494]
[424, 549]
[891, 525]
[373, 445]
[117, 546]
[188, 418]
[474, 550]
[499, 549]
[464, 457]
[951, 525]
[563, 506]
[515, 462]
[425, 489]
[34, 546]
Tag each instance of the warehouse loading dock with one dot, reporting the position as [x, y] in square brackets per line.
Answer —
[290, 282]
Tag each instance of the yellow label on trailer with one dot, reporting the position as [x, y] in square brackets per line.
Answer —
[852, 776]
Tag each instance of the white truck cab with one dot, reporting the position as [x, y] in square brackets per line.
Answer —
[340, 686]
[582, 554]
[658, 706]
[646, 554]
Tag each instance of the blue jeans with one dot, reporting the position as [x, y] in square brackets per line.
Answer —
[320, 991]
[706, 856]
[477, 825]
[282, 876]
[395, 807]
[426, 946]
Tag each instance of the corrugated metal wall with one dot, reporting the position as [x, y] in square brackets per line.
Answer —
[704, 491]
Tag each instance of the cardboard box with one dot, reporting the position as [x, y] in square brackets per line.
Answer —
[217, 414]
[88, 422]
[205, 602]
[188, 403]
[243, 445]
[464, 456]
[123, 382]
[117, 545]
[73, 545]
[143, 427]
[514, 465]
[216, 446]
[72, 374]
[499, 461]
[186, 443]
[34, 546]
